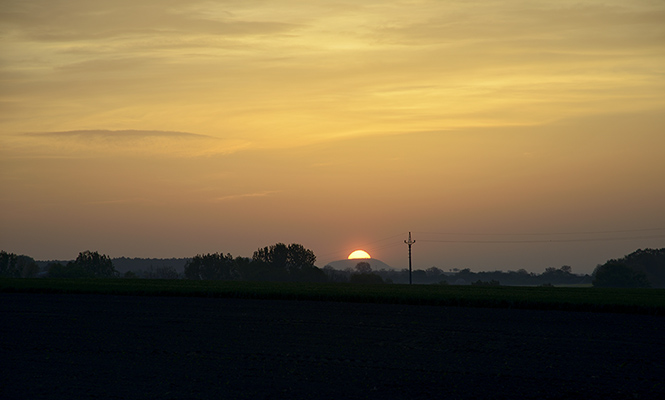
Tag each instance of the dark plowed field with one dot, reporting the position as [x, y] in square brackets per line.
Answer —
[124, 347]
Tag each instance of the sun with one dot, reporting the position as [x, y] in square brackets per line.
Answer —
[359, 254]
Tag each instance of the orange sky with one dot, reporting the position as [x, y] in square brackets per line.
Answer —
[169, 128]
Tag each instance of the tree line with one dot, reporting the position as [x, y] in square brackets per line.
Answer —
[295, 263]
[642, 268]
[455, 276]
[279, 262]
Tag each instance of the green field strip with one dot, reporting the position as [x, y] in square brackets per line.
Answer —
[638, 301]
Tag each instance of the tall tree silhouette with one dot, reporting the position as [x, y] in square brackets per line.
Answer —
[97, 265]
[212, 266]
[292, 258]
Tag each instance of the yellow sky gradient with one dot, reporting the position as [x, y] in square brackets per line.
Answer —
[169, 128]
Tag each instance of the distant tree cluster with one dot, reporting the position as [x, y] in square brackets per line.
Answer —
[88, 264]
[150, 268]
[17, 266]
[212, 267]
[434, 275]
[295, 263]
[363, 274]
[618, 274]
[642, 268]
[279, 262]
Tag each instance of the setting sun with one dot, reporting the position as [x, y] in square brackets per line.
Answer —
[359, 254]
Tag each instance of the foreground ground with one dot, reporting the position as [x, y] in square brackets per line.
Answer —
[124, 347]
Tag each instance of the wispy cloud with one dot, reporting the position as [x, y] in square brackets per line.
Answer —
[129, 134]
[85, 21]
[245, 195]
[128, 142]
[130, 201]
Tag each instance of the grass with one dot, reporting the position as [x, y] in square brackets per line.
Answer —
[638, 301]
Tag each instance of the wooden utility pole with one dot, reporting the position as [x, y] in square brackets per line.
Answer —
[410, 242]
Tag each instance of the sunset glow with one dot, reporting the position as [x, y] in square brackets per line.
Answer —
[151, 128]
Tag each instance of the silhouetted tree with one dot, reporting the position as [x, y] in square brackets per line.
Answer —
[292, 257]
[617, 274]
[243, 264]
[557, 276]
[651, 262]
[299, 257]
[363, 274]
[363, 267]
[142, 266]
[309, 274]
[8, 265]
[333, 275]
[433, 272]
[17, 266]
[282, 262]
[212, 266]
[95, 264]
[29, 267]
[464, 273]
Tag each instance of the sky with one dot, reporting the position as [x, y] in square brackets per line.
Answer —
[503, 134]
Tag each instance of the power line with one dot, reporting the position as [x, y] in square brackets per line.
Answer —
[366, 246]
[547, 240]
[385, 246]
[381, 240]
[541, 233]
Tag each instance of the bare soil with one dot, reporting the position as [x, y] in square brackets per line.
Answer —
[58, 346]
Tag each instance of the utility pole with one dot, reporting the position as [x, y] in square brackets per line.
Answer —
[410, 242]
